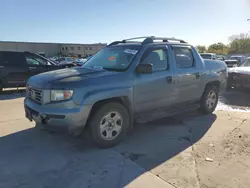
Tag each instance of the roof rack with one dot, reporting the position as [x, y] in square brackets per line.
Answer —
[147, 40]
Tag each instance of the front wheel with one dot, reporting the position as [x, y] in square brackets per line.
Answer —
[209, 99]
[109, 125]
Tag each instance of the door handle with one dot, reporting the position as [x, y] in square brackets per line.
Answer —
[169, 79]
[32, 68]
[197, 75]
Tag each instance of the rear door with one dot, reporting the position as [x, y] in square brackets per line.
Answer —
[187, 77]
[13, 69]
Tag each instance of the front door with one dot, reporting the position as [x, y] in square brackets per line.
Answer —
[35, 64]
[187, 74]
[153, 92]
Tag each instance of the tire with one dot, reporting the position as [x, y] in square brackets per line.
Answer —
[109, 125]
[209, 99]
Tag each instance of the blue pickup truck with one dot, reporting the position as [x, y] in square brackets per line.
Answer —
[126, 81]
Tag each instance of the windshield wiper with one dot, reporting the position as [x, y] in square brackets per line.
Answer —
[113, 69]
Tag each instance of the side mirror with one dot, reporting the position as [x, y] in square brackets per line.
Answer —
[144, 68]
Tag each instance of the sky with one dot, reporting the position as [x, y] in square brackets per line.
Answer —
[200, 22]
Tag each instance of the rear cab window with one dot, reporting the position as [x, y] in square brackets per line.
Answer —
[184, 57]
[206, 56]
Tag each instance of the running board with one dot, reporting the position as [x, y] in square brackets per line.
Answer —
[147, 117]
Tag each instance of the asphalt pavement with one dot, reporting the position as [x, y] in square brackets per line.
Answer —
[170, 152]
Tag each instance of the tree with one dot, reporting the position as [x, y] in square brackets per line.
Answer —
[201, 49]
[239, 43]
[218, 48]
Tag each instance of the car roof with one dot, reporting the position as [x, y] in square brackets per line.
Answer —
[15, 51]
[149, 41]
[237, 56]
[139, 44]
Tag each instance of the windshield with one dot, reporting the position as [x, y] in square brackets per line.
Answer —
[246, 63]
[206, 56]
[116, 58]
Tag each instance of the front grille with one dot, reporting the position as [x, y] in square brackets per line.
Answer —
[35, 95]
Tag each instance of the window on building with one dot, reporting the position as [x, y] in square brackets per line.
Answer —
[79, 48]
[66, 48]
[62, 48]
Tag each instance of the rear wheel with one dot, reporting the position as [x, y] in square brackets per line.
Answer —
[109, 125]
[209, 99]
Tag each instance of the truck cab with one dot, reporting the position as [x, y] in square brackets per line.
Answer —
[126, 81]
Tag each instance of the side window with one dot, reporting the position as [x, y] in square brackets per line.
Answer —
[157, 57]
[12, 58]
[35, 60]
[184, 57]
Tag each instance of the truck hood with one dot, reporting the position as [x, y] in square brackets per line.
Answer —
[65, 75]
[242, 70]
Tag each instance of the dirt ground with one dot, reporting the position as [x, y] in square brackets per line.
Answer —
[186, 151]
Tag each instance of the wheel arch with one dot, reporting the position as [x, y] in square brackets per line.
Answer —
[213, 83]
[124, 100]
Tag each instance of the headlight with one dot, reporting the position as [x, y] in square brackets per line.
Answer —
[60, 95]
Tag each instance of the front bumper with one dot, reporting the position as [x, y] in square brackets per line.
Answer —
[72, 119]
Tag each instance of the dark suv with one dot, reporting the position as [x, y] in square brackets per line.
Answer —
[17, 67]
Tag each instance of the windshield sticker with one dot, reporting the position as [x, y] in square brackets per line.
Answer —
[129, 51]
[112, 58]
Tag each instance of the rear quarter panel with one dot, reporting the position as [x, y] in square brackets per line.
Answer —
[217, 71]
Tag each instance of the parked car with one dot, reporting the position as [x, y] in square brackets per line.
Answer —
[17, 67]
[239, 77]
[65, 60]
[80, 62]
[208, 56]
[221, 57]
[124, 82]
[234, 61]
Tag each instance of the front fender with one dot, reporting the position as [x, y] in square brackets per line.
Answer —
[91, 97]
